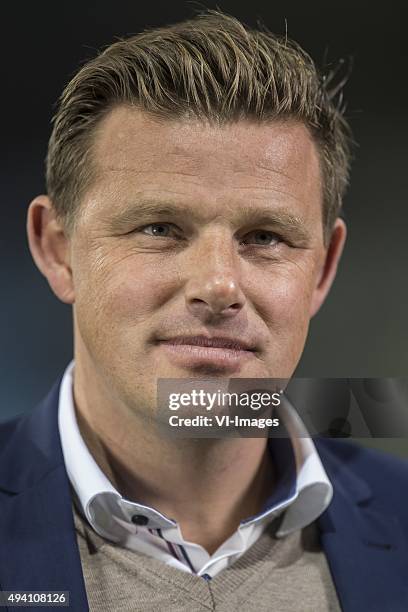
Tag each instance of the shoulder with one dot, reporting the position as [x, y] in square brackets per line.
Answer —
[381, 470]
[8, 428]
[30, 444]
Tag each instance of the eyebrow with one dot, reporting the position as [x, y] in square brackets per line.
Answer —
[280, 218]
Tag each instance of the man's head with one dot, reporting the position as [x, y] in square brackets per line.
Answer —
[228, 142]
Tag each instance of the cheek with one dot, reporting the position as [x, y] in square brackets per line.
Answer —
[295, 303]
[284, 298]
[130, 299]
[122, 294]
[289, 325]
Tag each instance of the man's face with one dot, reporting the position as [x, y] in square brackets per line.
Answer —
[241, 256]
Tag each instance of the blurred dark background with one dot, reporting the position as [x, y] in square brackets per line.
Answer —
[361, 330]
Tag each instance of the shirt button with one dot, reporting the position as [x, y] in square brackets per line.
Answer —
[139, 519]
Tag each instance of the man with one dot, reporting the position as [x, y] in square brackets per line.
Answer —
[195, 175]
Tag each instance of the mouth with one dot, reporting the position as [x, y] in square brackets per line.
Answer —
[200, 351]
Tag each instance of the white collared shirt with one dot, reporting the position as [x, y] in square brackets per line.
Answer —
[302, 493]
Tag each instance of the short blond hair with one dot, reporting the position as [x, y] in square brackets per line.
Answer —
[211, 67]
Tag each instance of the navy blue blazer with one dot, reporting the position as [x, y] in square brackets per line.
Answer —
[364, 531]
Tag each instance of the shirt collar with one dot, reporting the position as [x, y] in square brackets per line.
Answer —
[302, 487]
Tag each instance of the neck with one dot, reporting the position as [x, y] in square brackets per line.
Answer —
[207, 485]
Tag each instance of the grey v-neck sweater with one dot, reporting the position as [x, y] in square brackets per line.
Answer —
[288, 574]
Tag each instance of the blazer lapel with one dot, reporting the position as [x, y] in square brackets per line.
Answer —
[38, 550]
[364, 543]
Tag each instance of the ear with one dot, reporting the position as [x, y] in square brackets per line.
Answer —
[49, 247]
[329, 266]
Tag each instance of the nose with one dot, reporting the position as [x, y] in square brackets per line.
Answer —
[213, 289]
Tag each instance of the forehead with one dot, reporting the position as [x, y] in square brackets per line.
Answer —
[133, 151]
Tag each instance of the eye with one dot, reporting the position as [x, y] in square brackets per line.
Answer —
[159, 229]
[266, 238]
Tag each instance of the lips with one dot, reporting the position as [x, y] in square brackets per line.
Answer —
[225, 354]
[215, 342]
